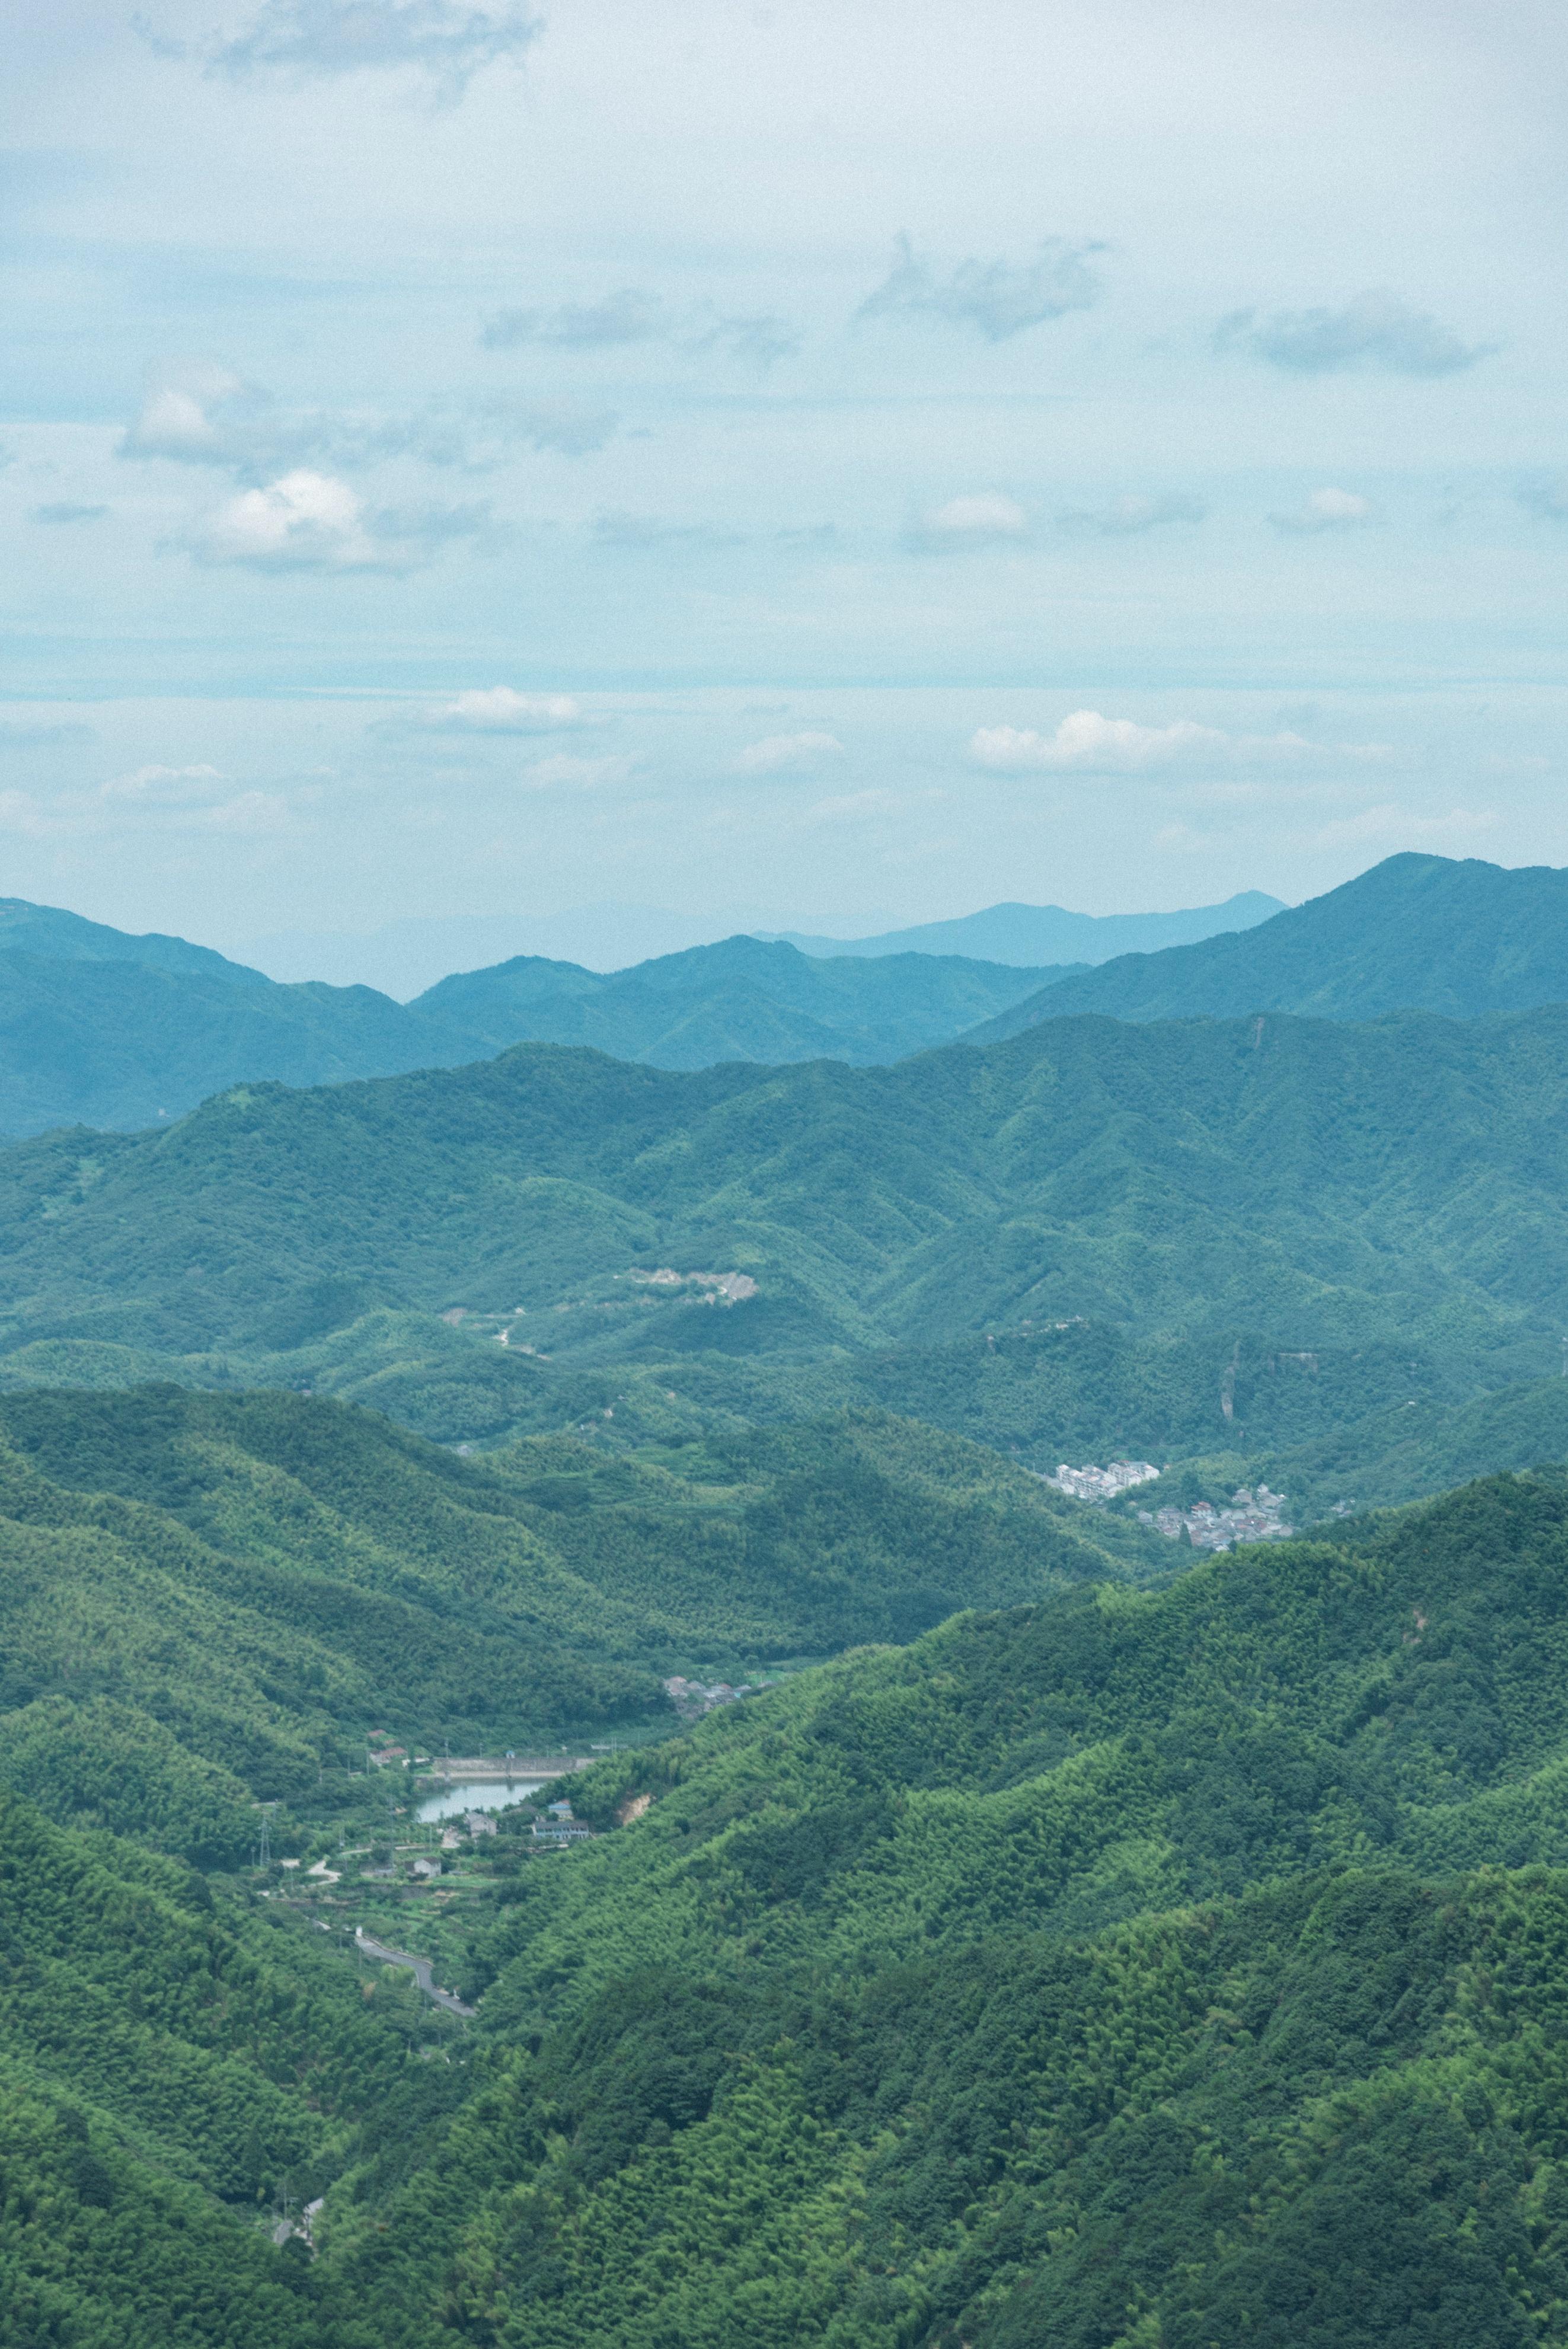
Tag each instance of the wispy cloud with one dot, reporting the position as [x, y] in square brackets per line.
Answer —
[447, 41]
[630, 316]
[1376, 332]
[1127, 517]
[207, 415]
[64, 514]
[1087, 743]
[784, 754]
[997, 298]
[313, 522]
[1325, 510]
[984, 519]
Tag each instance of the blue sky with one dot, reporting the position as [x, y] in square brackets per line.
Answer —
[821, 464]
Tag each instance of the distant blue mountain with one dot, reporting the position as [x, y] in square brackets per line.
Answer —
[1034, 935]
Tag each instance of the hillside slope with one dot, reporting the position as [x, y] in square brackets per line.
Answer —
[1313, 1183]
[210, 1599]
[1423, 932]
[1104, 1973]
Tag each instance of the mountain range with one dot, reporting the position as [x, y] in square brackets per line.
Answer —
[102, 1029]
[1186, 1239]
[1049, 933]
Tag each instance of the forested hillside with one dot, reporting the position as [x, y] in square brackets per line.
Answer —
[207, 1601]
[1202, 1238]
[1140, 1967]
[1415, 933]
[173, 2064]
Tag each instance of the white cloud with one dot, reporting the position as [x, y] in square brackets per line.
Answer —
[1326, 510]
[500, 710]
[998, 298]
[1087, 743]
[175, 419]
[562, 771]
[306, 521]
[314, 521]
[779, 754]
[984, 519]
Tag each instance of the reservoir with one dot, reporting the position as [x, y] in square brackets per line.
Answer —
[483, 1794]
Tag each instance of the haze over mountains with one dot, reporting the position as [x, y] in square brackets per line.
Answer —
[118, 1032]
[1049, 933]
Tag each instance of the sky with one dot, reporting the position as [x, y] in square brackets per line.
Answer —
[822, 465]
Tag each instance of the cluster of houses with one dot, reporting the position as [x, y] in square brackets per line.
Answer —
[1103, 1483]
[1252, 1516]
[692, 1698]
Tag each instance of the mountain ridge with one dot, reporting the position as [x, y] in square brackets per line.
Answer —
[1461, 938]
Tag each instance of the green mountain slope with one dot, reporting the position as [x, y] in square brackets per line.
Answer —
[210, 1599]
[173, 2063]
[1114, 1970]
[1023, 934]
[1224, 1196]
[1415, 933]
[740, 1000]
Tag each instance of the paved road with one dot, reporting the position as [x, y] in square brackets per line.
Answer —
[418, 1967]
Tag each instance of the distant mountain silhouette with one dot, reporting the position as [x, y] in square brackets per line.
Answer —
[1049, 933]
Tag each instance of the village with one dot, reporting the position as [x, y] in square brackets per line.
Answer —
[1255, 1513]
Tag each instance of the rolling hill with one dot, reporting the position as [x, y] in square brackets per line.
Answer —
[208, 1600]
[1202, 1236]
[1422, 933]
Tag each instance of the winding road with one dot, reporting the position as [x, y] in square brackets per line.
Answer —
[418, 1967]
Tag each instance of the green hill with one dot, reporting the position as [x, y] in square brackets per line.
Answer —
[740, 1000]
[1176, 1968]
[208, 1599]
[1200, 1236]
[1422, 933]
